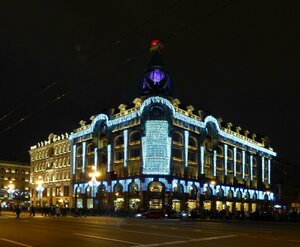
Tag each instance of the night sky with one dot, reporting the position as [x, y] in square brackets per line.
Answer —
[63, 61]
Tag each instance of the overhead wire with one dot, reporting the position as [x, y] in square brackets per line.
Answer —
[116, 43]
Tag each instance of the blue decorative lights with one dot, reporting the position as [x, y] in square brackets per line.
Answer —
[186, 148]
[156, 146]
[125, 135]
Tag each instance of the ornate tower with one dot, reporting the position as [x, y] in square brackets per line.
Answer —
[156, 80]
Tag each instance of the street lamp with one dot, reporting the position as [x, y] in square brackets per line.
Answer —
[94, 183]
[10, 190]
[40, 188]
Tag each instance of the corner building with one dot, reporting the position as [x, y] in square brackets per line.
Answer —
[155, 154]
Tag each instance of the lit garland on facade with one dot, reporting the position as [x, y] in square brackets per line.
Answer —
[243, 164]
[202, 159]
[234, 161]
[263, 169]
[125, 136]
[186, 148]
[251, 167]
[157, 99]
[176, 115]
[96, 157]
[74, 158]
[156, 146]
[269, 171]
[225, 159]
[108, 157]
[188, 120]
[83, 156]
[215, 163]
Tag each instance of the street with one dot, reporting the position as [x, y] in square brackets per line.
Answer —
[42, 231]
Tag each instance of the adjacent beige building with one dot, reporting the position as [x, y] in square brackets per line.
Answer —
[50, 172]
[14, 183]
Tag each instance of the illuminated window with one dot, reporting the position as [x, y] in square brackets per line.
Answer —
[155, 187]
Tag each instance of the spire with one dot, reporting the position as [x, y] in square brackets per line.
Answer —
[156, 79]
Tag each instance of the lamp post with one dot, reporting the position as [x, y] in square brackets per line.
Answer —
[40, 188]
[94, 183]
[10, 190]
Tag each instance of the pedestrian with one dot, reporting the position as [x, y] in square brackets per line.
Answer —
[32, 211]
[18, 212]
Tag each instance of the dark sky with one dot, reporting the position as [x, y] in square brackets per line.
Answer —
[63, 61]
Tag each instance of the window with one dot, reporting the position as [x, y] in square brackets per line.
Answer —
[119, 141]
[119, 155]
[155, 187]
[177, 137]
[135, 136]
[134, 153]
[192, 156]
[177, 153]
[192, 142]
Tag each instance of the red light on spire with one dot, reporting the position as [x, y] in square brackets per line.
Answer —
[154, 42]
[156, 46]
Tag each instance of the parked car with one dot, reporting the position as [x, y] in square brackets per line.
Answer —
[151, 215]
[180, 215]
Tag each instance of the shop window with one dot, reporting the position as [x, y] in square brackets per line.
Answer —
[133, 188]
[156, 187]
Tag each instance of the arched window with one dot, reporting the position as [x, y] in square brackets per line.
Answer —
[177, 138]
[119, 140]
[192, 142]
[133, 188]
[118, 189]
[178, 188]
[79, 151]
[229, 154]
[155, 187]
[238, 157]
[192, 191]
[220, 151]
[101, 189]
[220, 193]
[229, 194]
[157, 112]
[239, 195]
[134, 136]
[90, 148]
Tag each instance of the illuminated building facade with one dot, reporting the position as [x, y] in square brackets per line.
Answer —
[14, 183]
[50, 172]
[155, 154]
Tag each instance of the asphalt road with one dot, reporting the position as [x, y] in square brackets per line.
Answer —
[42, 231]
